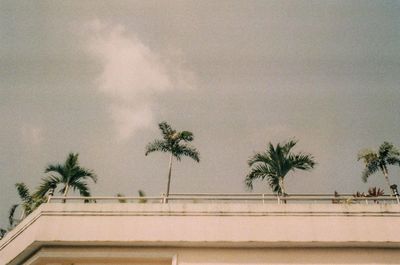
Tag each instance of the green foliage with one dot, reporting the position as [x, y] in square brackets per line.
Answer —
[142, 194]
[374, 161]
[275, 163]
[121, 200]
[3, 232]
[372, 192]
[174, 143]
[11, 213]
[70, 175]
[29, 204]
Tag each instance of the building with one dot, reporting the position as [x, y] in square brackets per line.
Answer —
[206, 232]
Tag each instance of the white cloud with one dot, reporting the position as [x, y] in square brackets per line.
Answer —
[132, 75]
[129, 119]
[32, 134]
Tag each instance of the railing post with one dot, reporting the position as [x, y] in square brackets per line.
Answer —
[51, 193]
[395, 192]
[263, 196]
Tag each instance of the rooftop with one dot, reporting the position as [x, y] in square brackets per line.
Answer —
[206, 220]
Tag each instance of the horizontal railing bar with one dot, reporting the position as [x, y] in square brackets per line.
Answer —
[266, 194]
[104, 198]
[265, 198]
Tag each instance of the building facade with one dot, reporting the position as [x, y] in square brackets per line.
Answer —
[205, 233]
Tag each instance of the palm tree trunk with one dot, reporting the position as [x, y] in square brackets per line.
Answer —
[66, 192]
[385, 173]
[169, 178]
[282, 186]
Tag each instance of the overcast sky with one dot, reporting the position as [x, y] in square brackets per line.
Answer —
[96, 77]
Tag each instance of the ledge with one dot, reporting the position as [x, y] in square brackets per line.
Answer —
[204, 225]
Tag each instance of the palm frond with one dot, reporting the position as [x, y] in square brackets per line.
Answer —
[72, 161]
[79, 173]
[274, 184]
[166, 129]
[23, 192]
[11, 214]
[288, 146]
[259, 171]
[186, 150]
[302, 161]
[387, 149]
[370, 168]
[59, 169]
[3, 232]
[375, 192]
[48, 183]
[157, 145]
[186, 136]
[367, 155]
[38, 201]
[259, 158]
[27, 208]
[81, 187]
[249, 183]
[393, 160]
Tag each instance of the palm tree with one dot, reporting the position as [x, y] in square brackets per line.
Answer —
[29, 201]
[375, 161]
[29, 204]
[172, 143]
[275, 163]
[70, 175]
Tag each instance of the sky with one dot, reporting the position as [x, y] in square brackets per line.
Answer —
[96, 78]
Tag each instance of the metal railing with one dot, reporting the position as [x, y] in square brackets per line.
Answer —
[262, 198]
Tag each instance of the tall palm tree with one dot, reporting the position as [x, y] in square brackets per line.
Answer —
[70, 175]
[174, 143]
[275, 163]
[375, 161]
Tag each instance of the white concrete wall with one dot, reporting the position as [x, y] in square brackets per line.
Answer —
[214, 233]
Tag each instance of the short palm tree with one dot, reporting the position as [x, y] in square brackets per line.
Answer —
[275, 163]
[29, 204]
[70, 175]
[379, 161]
[174, 143]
